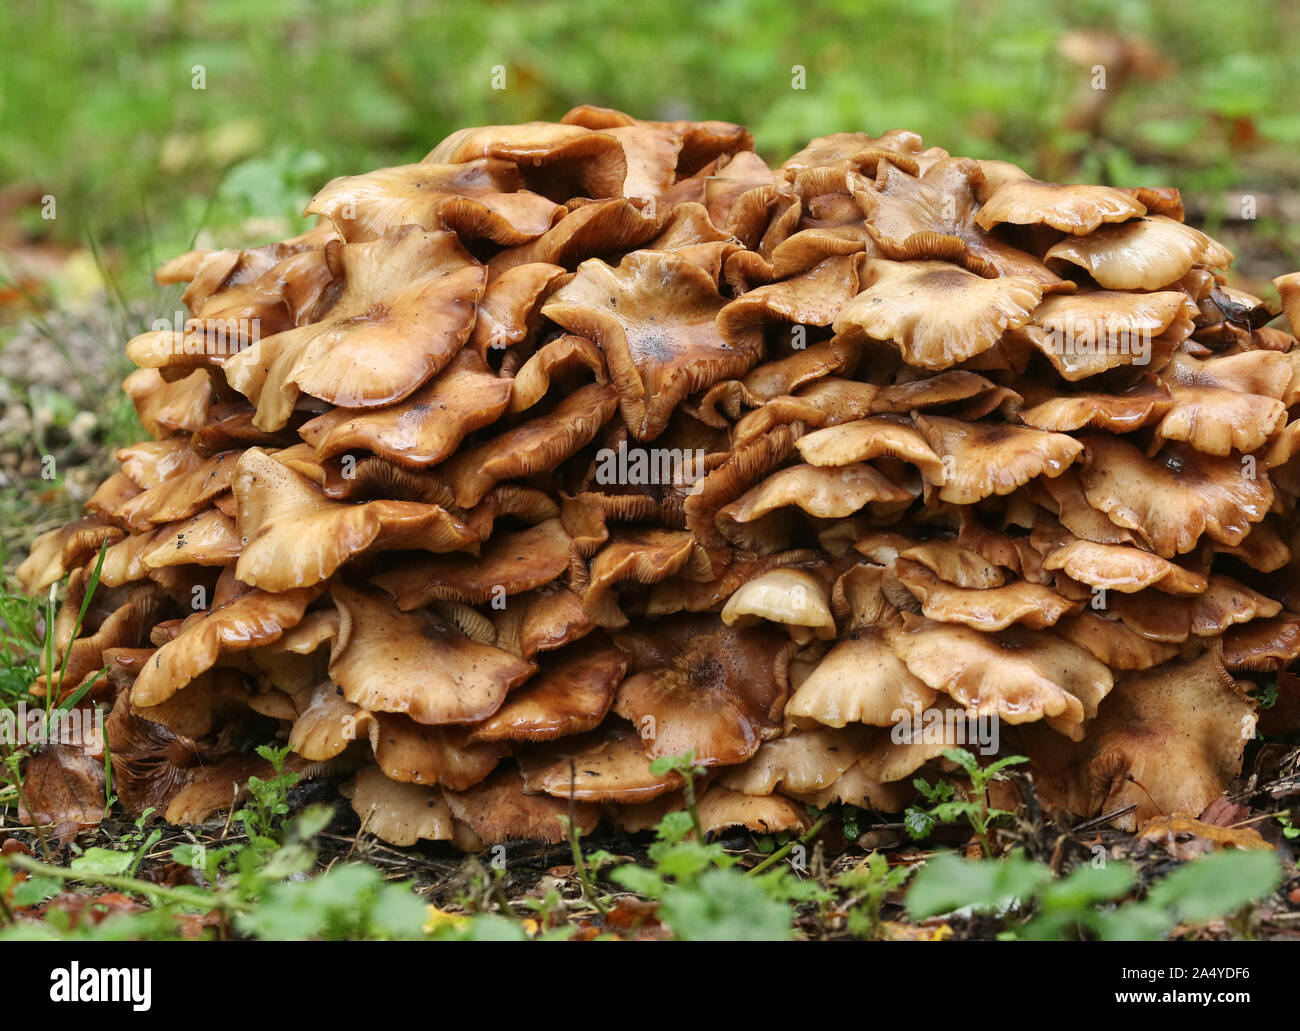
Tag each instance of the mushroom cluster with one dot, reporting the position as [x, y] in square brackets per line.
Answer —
[580, 444]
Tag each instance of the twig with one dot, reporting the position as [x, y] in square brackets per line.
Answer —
[121, 883]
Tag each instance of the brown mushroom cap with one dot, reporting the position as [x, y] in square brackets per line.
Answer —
[607, 765]
[360, 354]
[1088, 333]
[327, 723]
[1017, 674]
[1144, 254]
[860, 680]
[983, 459]
[386, 660]
[1121, 568]
[425, 428]
[400, 814]
[802, 762]
[863, 439]
[655, 362]
[791, 596]
[499, 810]
[295, 536]
[1172, 499]
[699, 685]
[570, 694]
[990, 608]
[414, 753]
[830, 492]
[938, 314]
[1070, 208]
[252, 619]
[481, 199]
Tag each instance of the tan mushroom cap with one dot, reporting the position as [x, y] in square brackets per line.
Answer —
[565, 158]
[1140, 405]
[641, 556]
[1071, 208]
[481, 199]
[295, 536]
[180, 496]
[509, 564]
[720, 808]
[988, 609]
[860, 680]
[570, 694]
[425, 428]
[802, 762]
[830, 492]
[167, 408]
[400, 814]
[549, 364]
[1144, 254]
[56, 551]
[1224, 603]
[953, 562]
[414, 753]
[794, 597]
[1016, 674]
[654, 360]
[532, 447]
[328, 724]
[813, 298]
[417, 288]
[150, 462]
[389, 661]
[606, 765]
[542, 620]
[1079, 517]
[983, 459]
[1218, 422]
[252, 619]
[499, 810]
[698, 685]
[1120, 568]
[208, 539]
[934, 217]
[509, 312]
[1262, 644]
[1169, 740]
[863, 439]
[937, 313]
[1114, 643]
[1091, 332]
[1172, 499]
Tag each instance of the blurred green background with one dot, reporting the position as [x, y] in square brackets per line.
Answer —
[99, 111]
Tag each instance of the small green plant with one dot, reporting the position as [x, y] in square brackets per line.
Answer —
[262, 815]
[949, 804]
[868, 884]
[1088, 902]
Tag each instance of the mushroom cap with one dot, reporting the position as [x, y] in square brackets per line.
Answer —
[1139, 405]
[989, 608]
[181, 495]
[1070, 208]
[786, 595]
[1224, 603]
[389, 661]
[860, 680]
[1091, 332]
[1120, 568]
[167, 408]
[482, 199]
[1114, 643]
[802, 762]
[1170, 500]
[1218, 422]
[1017, 674]
[862, 439]
[570, 694]
[830, 492]
[983, 459]
[1144, 254]
[1168, 740]
[699, 685]
[654, 363]
[427, 426]
[510, 563]
[508, 313]
[252, 619]
[327, 724]
[938, 314]
[296, 537]
[606, 765]
[56, 551]
[548, 364]
[498, 809]
[414, 753]
[532, 447]
[400, 814]
[953, 562]
[407, 306]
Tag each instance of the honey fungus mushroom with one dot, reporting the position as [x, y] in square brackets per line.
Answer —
[924, 437]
